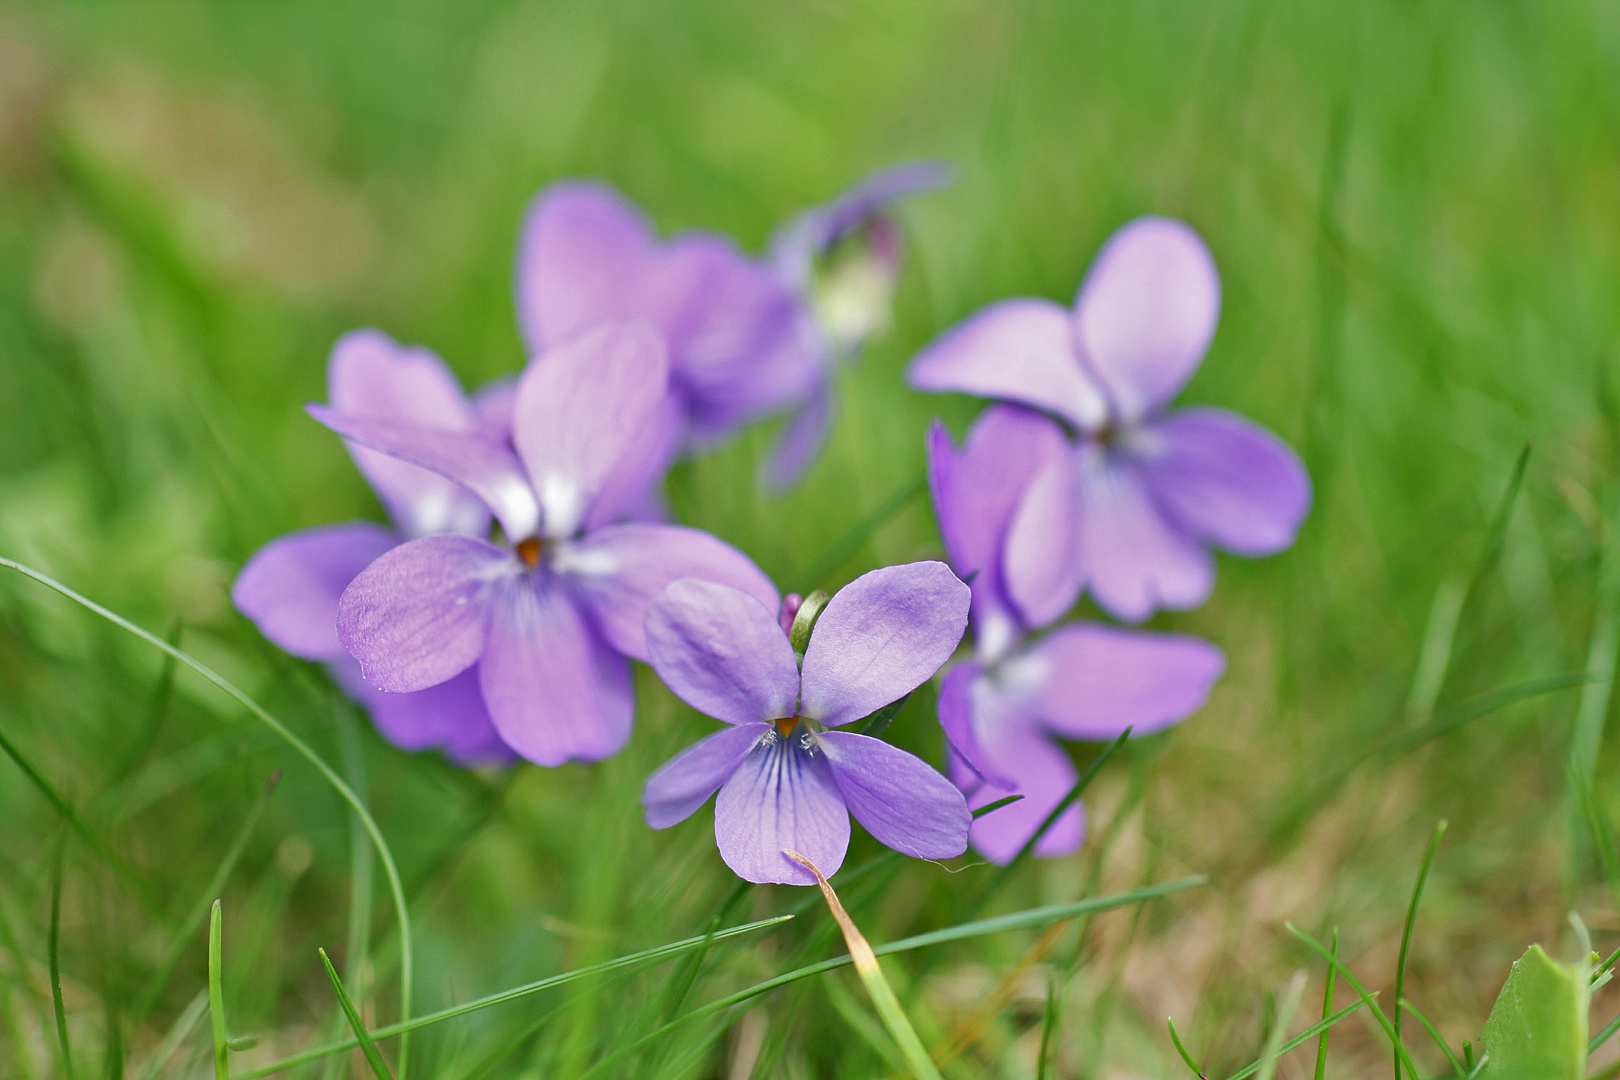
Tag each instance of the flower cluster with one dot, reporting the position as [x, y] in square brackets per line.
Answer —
[529, 556]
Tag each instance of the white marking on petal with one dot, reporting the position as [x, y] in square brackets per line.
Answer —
[564, 506]
[589, 562]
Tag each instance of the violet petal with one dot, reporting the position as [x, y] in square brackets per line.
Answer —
[1016, 350]
[290, 587]
[1146, 312]
[555, 691]
[900, 800]
[881, 637]
[955, 710]
[1044, 560]
[1035, 768]
[1095, 680]
[722, 652]
[416, 616]
[580, 405]
[450, 716]
[801, 440]
[1226, 480]
[674, 792]
[781, 797]
[371, 375]
[477, 462]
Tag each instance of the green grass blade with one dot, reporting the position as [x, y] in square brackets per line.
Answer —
[1175, 1039]
[1285, 1014]
[1315, 1031]
[1472, 708]
[1406, 935]
[988, 807]
[1355, 984]
[396, 887]
[1327, 1010]
[1033, 918]
[56, 961]
[1603, 1036]
[1048, 1022]
[373, 1057]
[1434, 1033]
[63, 807]
[216, 992]
[632, 960]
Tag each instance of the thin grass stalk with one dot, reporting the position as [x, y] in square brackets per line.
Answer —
[373, 1056]
[1048, 1022]
[1355, 984]
[1327, 1010]
[401, 910]
[1406, 935]
[1312, 1032]
[56, 959]
[1279, 1027]
[871, 973]
[216, 992]
[1175, 1039]
[1434, 1033]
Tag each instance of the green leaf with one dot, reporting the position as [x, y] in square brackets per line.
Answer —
[1537, 1029]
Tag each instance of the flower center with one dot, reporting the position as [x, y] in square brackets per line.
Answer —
[529, 551]
[786, 724]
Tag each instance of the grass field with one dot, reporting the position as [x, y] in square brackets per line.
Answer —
[1415, 209]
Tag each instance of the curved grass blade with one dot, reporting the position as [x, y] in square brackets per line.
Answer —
[1434, 1033]
[871, 974]
[396, 887]
[1367, 999]
[56, 961]
[1317, 1029]
[1033, 918]
[367, 1047]
[1175, 1038]
[1406, 936]
[997, 805]
[632, 960]
[216, 993]
[1047, 1023]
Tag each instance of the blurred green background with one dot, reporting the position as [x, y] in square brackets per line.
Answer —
[1415, 208]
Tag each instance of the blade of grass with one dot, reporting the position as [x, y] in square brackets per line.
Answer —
[632, 960]
[1327, 1009]
[194, 919]
[401, 910]
[974, 1024]
[177, 1034]
[814, 575]
[56, 960]
[1048, 1021]
[1603, 1036]
[367, 1047]
[1314, 1031]
[1434, 1033]
[871, 975]
[1355, 984]
[216, 992]
[155, 709]
[1279, 1027]
[1406, 935]
[358, 938]
[1175, 1038]
[997, 805]
[63, 807]
[1032, 918]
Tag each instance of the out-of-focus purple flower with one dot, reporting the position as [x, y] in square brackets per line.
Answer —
[1003, 710]
[550, 617]
[787, 781]
[1131, 506]
[290, 587]
[747, 337]
[842, 260]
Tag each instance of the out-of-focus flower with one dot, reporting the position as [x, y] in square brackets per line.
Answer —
[1131, 505]
[747, 337]
[290, 587]
[549, 617]
[1003, 710]
[842, 259]
[785, 780]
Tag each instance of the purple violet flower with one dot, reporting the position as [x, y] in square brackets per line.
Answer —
[747, 337]
[785, 779]
[1132, 505]
[549, 616]
[290, 587]
[1003, 710]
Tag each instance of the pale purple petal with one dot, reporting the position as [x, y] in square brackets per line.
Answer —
[582, 252]
[632, 492]
[800, 442]
[492, 406]
[480, 464]
[449, 717]
[417, 615]
[1146, 312]
[580, 406]
[674, 792]
[290, 587]
[1137, 561]
[618, 570]
[1094, 681]
[781, 797]
[1044, 559]
[1043, 775]
[555, 691]
[976, 490]
[371, 375]
[722, 652]
[955, 709]
[1015, 350]
[900, 800]
[1226, 480]
[880, 638]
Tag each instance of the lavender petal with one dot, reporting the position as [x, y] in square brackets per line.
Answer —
[722, 652]
[900, 800]
[290, 587]
[1034, 768]
[781, 797]
[674, 792]
[1044, 562]
[450, 716]
[1095, 681]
